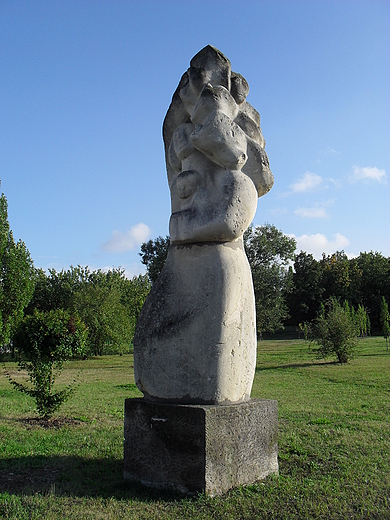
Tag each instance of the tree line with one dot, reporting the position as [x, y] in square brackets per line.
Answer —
[291, 288]
[49, 317]
[106, 303]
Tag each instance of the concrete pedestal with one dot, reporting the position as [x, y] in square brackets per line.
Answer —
[195, 448]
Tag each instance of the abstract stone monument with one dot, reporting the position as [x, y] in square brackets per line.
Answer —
[195, 341]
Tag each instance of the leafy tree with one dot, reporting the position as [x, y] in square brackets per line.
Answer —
[340, 277]
[334, 331]
[269, 252]
[133, 296]
[385, 321]
[153, 254]
[101, 310]
[374, 283]
[44, 340]
[362, 281]
[16, 277]
[56, 290]
[107, 302]
[305, 298]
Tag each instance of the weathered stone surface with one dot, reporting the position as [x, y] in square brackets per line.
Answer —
[195, 340]
[195, 448]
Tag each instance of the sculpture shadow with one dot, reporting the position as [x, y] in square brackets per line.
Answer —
[73, 476]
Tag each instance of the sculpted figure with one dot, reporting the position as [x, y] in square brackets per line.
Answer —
[195, 340]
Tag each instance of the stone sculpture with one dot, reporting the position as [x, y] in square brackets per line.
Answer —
[195, 341]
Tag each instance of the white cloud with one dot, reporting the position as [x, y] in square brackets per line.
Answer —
[329, 151]
[319, 243]
[279, 211]
[315, 212]
[337, 183]
[308, 182]
[121, 242]
[131, 270]
[368, 173]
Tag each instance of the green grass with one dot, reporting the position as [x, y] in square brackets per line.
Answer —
[334, 444]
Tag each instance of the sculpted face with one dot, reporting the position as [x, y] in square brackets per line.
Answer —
[217, 166]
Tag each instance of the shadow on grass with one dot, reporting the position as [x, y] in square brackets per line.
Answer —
[73, 476]
[375, 354]
[297, 365]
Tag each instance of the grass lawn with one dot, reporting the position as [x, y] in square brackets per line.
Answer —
[334, 444]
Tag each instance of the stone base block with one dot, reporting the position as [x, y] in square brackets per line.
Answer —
[195, 448]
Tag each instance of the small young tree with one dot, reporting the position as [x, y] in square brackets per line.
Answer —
[385, 321]
[44, 341]
[362, 321]
[334, 332]
[304, 327]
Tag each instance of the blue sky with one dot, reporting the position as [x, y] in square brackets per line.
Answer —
[85, 86]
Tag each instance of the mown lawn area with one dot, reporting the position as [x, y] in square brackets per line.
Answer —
[334, 444]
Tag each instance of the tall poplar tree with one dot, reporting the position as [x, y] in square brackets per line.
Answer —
[16, 277]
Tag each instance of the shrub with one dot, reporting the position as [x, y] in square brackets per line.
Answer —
[334, 332]
[43, 342]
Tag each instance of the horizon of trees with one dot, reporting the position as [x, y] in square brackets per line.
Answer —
[290, 287]
[107, 303]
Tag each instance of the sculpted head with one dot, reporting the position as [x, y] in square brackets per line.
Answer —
[216, 163]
